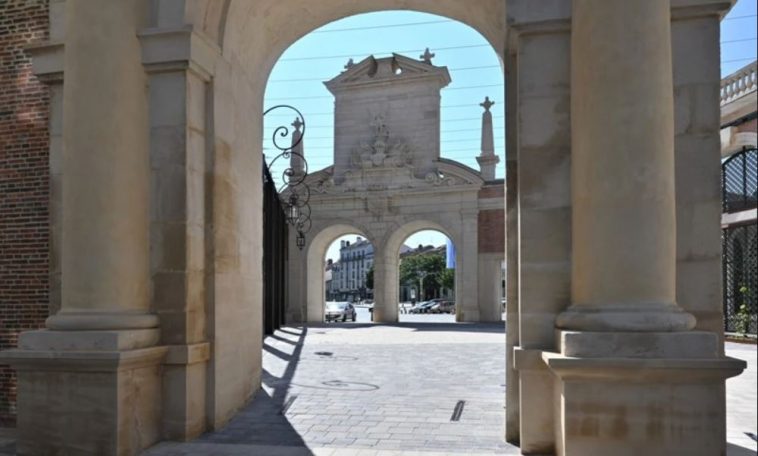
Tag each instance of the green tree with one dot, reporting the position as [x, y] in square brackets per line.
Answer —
[447, 279]
[430, 266]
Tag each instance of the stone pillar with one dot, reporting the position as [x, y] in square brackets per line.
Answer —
[386, 290]
[697, 85]
[466, 268]
[622, 278]
[512, 251]
[490, 286]
[632, 379]
[98, 361]
[179, 64]
[542, 231]
[487, 160]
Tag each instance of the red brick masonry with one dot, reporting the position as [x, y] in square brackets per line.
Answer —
[24, 180]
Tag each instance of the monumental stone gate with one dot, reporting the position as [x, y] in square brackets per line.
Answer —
[389, 181]
[614, 329]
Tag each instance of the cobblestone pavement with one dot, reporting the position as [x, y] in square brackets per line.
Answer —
[357, 389]
[363, 389]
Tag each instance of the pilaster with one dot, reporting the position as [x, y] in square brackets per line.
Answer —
[180, 64]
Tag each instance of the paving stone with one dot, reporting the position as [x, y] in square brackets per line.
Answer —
[391, 390]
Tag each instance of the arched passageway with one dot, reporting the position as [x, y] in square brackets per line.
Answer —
[160, 283]
[315, 254]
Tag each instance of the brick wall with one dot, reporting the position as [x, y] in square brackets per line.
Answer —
[24, 219]
[492, 231]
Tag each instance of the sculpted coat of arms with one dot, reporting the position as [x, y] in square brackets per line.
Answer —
[380, 153]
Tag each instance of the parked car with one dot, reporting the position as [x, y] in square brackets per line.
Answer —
[443, 306]
[422, 307]
[342, 311]
[415, 308]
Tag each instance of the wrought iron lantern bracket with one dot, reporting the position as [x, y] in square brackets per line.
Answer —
[296, 204]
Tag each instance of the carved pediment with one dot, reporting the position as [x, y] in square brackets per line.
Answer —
[388, 69]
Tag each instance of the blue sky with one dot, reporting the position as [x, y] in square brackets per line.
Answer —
[297, 78]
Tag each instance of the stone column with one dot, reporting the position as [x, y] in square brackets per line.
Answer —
[632, 378]
[490, 286]
[386, 290]
[466, 268]
[98, 361]
[487, 160]
[623, 223]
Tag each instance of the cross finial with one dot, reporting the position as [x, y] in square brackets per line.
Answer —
[487, 104]
[427, 56]
[297, 124]
[349, 64]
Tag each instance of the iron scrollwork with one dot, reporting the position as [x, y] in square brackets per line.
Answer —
[296, 202]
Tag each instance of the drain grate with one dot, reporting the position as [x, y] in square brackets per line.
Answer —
[288, 404]
[458, 411]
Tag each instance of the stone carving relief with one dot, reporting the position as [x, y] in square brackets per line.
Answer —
[380, 152]
[438, 179]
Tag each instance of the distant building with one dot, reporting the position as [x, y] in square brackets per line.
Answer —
[348, 273]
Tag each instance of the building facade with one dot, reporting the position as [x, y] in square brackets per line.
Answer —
[348, 278]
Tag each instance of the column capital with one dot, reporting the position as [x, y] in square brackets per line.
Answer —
[178, 49]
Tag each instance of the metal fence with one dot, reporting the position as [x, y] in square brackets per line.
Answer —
[274, 256]
[739, 176]
[740, 281]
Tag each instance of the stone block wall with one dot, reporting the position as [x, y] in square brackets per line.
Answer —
[24, 185]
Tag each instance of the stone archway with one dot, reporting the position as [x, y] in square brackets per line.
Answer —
[170, 297]
[314, 265]
[387, 264]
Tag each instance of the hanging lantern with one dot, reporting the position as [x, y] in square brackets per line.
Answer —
[296, 208]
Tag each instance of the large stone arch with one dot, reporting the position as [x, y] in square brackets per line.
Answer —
[320, 240]
[388, 261]
[118, 333]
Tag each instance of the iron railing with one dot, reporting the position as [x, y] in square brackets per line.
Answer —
[275, 231]
[739, 180]
[740, 278]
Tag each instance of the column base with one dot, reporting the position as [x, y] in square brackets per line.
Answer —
[640, 393]
[382, 316]
[653, 318]
[86, 400]
[184, 385]
[468, 315]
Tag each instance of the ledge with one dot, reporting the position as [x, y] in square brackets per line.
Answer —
[188, 354]
[528, 359]
[47, 60]
[82, 361]
[631, 370]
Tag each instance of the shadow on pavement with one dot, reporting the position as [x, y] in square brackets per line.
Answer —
[735, 450]
[497, 327]
[263, 421]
